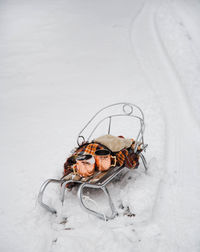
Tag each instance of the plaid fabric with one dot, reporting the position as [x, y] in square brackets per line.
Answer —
[124, 157]
[88, 149]
[92, 147]
[132, 160]
[121, 156]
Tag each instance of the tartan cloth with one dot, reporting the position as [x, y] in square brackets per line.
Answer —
[90, 148]
[124, 157]
[121, 156]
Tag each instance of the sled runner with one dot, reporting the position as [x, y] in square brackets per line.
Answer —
[94, 163]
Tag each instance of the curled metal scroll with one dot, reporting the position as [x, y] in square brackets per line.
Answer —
[82, 142]
[125, 109]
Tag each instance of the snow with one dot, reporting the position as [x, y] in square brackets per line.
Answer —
[61, 61]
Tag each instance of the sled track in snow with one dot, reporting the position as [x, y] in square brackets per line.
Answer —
[134, 52]
[164, 51]
[175, 73]
[167, 56]
[177, 76]
[169, 59]
[171, 205]
[133, 19]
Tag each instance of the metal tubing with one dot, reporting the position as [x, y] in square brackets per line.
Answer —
[97, 214]
[109, 127]
[63, 188]
[112, 206]
[118, 115]
[127, 113]
[112, 176]
[41, 192]
[144, 161]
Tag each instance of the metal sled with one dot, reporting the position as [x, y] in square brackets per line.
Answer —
[99, 180]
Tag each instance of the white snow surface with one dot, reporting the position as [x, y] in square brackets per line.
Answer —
[60, 62]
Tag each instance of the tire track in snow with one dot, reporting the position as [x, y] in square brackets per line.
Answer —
[147, 79]
[184, 102]
[176, 157]
[165, 80]
[172, 65]
[193, 58]
[155, 176]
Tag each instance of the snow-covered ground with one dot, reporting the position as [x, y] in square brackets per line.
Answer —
[61, 61]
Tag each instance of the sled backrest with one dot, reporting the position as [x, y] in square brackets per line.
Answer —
[122, 109]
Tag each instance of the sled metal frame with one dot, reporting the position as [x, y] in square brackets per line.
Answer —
[99, 185]
[127, 110]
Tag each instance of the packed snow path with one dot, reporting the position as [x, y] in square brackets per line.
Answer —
[60, 62]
